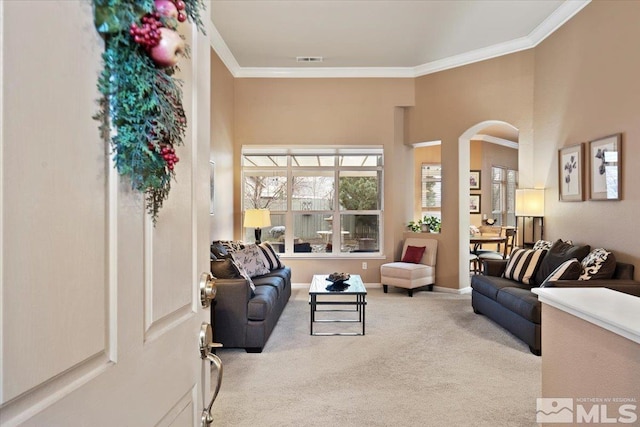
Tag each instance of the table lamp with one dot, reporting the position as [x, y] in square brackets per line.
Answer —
[257, 218]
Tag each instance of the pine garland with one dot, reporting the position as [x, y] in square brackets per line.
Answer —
[140, 111]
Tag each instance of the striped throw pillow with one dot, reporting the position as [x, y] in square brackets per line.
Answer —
[523, 264]
[269, 256]
[568, 270]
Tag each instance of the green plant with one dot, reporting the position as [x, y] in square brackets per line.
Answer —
[433, 223]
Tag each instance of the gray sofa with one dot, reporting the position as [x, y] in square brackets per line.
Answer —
[244, 318]
[512, 305]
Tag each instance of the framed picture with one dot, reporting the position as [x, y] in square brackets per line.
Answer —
[571, 173]
[474, 203]
[474, 180]
[605, 157]
[212, 181]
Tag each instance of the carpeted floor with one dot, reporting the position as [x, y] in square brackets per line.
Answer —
[424, 361]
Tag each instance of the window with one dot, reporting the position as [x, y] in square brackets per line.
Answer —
[503, 195]
[322, 200]
[431, 189]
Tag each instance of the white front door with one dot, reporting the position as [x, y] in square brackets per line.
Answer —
[99, 310]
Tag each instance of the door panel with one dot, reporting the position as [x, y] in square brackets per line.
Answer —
[99, 310]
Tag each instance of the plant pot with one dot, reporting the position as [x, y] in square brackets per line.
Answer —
[424, 228]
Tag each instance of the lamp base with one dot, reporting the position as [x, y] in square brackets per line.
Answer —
[258, 235]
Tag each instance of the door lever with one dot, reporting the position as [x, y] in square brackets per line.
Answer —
[206, 342]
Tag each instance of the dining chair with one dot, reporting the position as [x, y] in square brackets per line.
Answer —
[510, 235]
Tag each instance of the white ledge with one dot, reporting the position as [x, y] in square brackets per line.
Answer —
[611, 310]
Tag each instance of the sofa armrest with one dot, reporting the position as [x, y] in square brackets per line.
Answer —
[494, 267]
[631, 287]
[232, 298]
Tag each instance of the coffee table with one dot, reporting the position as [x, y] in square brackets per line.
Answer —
[354, 295]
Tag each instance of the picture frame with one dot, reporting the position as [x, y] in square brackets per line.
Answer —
[474, 180]
[212, 181]
[605, 158]
[474, 203]
[571, 173]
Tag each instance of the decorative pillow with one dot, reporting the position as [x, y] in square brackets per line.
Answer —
[225, 269]
[599, 264]
[542, 244]
[251, 259]
[560, 252]
[270, 256]
[229, 246]
[218, 250]
[245, 276]
[523, 264]
[568, 270]
[413, 254]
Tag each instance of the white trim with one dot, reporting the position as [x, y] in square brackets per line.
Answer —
[460, 291]
[559, 17]
[2, 296]
[426, 144]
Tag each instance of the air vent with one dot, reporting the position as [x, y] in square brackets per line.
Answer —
[309, 59]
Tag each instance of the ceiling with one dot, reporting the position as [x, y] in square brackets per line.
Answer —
[386, 38]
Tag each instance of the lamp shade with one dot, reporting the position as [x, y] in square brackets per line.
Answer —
[530, 202]
[256, 218]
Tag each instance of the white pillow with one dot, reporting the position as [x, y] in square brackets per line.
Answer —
[250, 258]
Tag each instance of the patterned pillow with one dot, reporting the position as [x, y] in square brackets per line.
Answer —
[269, 256]
[542, 244]
[251, 259]
[523, 264]
[227, 246]
[599, 264]
[568, 270]
[244, 275]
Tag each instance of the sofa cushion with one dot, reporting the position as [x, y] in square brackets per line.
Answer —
[568, 270]
[521, 301]
[560, 252]
[599, 264]
[251, 259]
[523, 264]
[262, 303]
[489, 286]
[413, 254]
[273, 281]
[269, 256]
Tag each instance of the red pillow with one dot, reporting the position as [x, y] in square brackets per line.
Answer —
[413, 254]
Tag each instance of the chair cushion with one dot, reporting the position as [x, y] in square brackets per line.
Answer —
[406, 270]
[523, 264]
[413, 254]
[521, 301]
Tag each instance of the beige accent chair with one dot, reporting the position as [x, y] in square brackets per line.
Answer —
[409, 275]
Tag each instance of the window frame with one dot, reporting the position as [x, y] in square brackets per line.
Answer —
[290, 170]
[507, 210]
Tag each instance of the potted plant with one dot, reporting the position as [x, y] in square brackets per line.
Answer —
[415, 226]
[433, 223]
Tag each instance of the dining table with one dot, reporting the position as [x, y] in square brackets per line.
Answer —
[478, 240]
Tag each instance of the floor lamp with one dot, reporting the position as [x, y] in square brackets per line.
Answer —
[257, 218]
[530, 204]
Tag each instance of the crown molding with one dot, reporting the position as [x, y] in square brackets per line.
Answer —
[495, 140]
[554, 21]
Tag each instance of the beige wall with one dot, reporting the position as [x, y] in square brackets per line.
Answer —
[586, 87]
[450, 102]
[331, 112]
[222, 121]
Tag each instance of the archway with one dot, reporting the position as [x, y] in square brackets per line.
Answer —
[464, 159]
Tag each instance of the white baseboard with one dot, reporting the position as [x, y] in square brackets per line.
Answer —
[462, 291]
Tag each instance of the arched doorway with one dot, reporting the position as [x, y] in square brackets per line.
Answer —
[488, 129]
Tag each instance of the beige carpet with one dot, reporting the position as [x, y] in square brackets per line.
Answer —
[424, 361]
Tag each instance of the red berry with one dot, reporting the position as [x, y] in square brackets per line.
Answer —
[180, 5]
[182, 17]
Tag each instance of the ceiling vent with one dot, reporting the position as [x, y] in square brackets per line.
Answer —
[309, 59]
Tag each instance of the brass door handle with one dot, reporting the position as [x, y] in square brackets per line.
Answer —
[208, 289]
[206, 343]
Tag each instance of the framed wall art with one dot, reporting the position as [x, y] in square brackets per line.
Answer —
[571, 173]
[474, 180]
[474, 203]
[605, 157]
